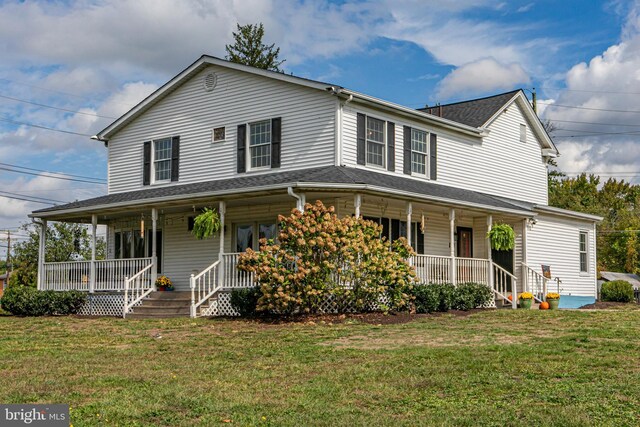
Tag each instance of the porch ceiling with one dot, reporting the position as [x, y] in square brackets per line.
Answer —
[332, 179]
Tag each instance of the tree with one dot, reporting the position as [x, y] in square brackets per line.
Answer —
[64, 242]
[248, 48]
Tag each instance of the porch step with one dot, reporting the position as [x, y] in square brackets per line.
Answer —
[162, 305]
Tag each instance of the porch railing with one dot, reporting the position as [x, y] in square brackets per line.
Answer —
[204, 286]
[505, 285]
[534, 282]
[137, 287]
[231, 276]
[76, 275]
[472, 270]
[432, 269]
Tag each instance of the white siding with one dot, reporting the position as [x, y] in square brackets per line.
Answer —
[499, 164]
[308, 127]
[554, 241]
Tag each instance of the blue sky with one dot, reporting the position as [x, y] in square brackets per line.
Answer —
[93, 60]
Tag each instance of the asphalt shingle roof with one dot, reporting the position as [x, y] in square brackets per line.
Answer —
[475, 112]
[322, 175]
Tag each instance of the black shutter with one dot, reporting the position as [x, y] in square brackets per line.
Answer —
[175, 158]
[391, 146]
[433, 157]
[276, 138]
[362, 147]
[146, 163]
[420, 239]
[395, 229]
[242, 140]
[406, 162]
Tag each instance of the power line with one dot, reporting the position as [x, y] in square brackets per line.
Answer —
[56, 108]
[33, 197]
[52, 176]
[589, 91]
[26, 200]
[591, 123]
[58, 91]
[45, 171]
[551, 104]
[591, 133]
[43, 127]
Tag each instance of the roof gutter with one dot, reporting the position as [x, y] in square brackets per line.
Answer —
[408, 112]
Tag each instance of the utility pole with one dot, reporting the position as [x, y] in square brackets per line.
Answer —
[8, 252]
[534, 99]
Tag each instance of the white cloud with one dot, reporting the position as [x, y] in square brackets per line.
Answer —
[525, 8]
[481, 76]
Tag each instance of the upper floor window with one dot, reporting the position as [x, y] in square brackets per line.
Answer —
[584, 252]
[162, 159]
[375, 142]
[260, 144]
[419, 151]
[523, 133]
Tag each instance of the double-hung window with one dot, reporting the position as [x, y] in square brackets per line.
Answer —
[260, 144]
[375, 142]
[162, 159]
[419, 151]
[584, 252]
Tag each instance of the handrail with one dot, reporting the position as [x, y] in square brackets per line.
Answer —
[205, 284]
[138, 289]
[538, 294]
[500, 284]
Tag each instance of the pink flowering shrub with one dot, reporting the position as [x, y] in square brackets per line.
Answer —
[320, 256]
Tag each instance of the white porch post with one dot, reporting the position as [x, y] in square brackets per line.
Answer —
[409, 212]
[452, 243]
[525, 278]
[92, 279]
[357, 202]
[154, 254]
[489, 257]
[41, 254]
[222, 210]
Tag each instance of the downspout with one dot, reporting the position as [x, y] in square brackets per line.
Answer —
[300, 198]
[339, 124]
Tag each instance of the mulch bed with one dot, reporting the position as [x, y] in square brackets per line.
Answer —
[369, 318]
[603, 305]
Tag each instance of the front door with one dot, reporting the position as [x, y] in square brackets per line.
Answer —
[465, 242]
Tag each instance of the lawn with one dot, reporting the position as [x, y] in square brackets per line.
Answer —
[502, 367]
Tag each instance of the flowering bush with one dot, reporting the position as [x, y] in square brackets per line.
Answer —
[320, 256]
[164, 282]
[552, 295]
[525, 295]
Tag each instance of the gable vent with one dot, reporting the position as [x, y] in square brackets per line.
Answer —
[210, 81]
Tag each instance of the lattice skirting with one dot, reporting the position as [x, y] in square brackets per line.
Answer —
[222, 307]
[104, 304]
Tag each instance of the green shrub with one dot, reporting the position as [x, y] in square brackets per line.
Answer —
[471, 295]
[433, 297]
[245, 300]
[28, 301]
[617, 291]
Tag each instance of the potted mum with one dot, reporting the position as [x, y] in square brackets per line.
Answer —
[553, 299]
[525, 300]
[163, 283]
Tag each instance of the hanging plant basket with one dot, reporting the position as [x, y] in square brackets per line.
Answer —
[206, 224]
[502, 237]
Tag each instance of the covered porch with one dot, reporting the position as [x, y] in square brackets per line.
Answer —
[146, 241]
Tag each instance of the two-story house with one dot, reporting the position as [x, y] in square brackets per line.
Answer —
[255, 144]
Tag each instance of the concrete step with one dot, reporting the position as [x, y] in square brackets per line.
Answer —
[168, 303]
[153, 316]
[172, 295]
[160, 311]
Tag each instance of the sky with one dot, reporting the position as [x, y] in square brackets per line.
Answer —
[75, 66]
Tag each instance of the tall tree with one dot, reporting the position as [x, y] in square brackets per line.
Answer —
[64, 242]
[248, 48]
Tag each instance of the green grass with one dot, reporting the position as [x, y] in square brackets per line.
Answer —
[533, 368]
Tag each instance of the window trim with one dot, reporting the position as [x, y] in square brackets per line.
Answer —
[213, 134]
[248, 146]
[383, 143]
[584, 233]
[255, 229]
[153, 179]
[523, 133]
[426, 154]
